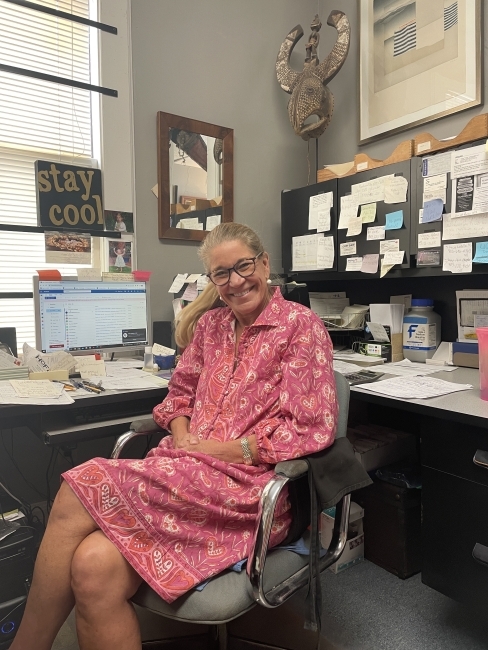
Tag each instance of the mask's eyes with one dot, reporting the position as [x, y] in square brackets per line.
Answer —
[245, 267]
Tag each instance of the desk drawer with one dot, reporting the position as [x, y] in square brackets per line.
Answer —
[454, 522]
[451, 447]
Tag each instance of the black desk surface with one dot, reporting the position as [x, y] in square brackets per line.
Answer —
[89, 417]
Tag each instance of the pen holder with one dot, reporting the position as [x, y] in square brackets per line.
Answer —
[482, 334]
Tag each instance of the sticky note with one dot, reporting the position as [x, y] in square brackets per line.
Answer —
[354, 263]
[375, 232]
[368, 212]
[481, 253]
[370, 263]
[89, 275]
[432, 210]
[394, 220]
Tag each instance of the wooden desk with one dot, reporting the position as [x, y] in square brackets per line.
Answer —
[90, 417]
[454, 490]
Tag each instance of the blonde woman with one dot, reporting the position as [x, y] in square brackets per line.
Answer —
[254, 386]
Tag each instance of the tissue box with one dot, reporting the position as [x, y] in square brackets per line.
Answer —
[164, 362]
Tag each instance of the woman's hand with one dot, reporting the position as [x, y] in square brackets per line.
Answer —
[228, 452]
[180, 430]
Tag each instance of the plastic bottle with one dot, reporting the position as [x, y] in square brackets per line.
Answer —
[148, 359]
[421, 330]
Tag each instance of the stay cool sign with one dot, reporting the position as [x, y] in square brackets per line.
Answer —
[69, 196]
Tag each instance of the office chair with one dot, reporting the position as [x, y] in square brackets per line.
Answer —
[231, 594]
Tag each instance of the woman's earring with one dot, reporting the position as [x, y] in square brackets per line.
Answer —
[268, 281]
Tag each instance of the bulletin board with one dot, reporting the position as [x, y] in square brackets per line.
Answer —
[470, 194]
[388, 233]
[295, 222]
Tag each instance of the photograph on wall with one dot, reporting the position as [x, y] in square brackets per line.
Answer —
[67, 248]
[119, 221]
[119, 256]
[418, 61]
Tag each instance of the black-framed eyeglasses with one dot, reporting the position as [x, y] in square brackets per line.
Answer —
[244, 268]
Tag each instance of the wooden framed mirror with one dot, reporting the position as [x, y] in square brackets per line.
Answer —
[195, 177]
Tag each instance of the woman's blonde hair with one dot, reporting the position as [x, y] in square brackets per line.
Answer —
[209, 298]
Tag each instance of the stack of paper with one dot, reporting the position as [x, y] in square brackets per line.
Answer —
[390, 314]
[413, 387]
[407, 368]
[26, 392]
[17, 372]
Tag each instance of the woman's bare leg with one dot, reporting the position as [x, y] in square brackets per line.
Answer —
[51, 598]
[102, 582]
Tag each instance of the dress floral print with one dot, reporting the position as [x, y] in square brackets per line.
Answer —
[180, 517]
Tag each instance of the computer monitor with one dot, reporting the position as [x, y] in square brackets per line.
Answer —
[83, 317]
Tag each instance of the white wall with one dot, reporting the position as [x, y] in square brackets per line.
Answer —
[214, 60]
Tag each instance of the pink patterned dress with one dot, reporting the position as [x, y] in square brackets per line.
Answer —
[181, 517]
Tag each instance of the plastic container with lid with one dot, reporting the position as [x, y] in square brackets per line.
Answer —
[421, 330]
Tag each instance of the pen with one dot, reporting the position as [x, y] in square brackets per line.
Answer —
[97, 387]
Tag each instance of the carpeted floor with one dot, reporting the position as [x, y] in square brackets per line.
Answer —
[367, 608]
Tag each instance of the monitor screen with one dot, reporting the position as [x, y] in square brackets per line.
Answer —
[82, 316]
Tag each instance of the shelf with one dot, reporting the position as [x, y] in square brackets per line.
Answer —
[10, 227]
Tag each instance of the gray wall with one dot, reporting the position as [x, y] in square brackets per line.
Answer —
[214, 61]
[340, 142]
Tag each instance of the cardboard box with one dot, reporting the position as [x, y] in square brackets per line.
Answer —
[354, 549]
[376, 446]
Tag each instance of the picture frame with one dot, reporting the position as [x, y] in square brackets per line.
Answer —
[418, 62]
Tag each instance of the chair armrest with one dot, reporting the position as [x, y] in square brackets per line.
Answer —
[141, 427]
[285, 472]
[292, 469]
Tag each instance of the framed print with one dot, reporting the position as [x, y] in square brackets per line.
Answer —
[419, 60]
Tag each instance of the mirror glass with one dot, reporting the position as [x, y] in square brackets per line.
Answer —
[195, 178]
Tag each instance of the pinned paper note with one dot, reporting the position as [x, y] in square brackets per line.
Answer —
[193, 277]
[202, 282]
[368, 212]
[375, 232]
[348, 248]
[178, 283]
[212, 221]
[388, 245]
[191, 292]
[349, 210]
[89, 275]
[396, 189]
[318, 203]
[464, 227]
[429, 239]
[370, 263]
[325, 252]
[311, 252]
[428, 258]
[435, 183]
[355, 227]
[457, 258]
[394, 257]
[385, 268]
[354, 263]
[438, 164]
[378, 332]
[481, 253]
[323, 220]
[394, 220]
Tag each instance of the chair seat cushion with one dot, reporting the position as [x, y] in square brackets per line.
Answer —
[226, 596]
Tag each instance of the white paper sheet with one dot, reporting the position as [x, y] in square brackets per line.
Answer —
[323, 220]
[89, 275]
[370, 191]
[213, 221]
[95, 368]
[191, 292]
[389, 245]
[466, 162]
[349, 210]
[390, 314]
[438, 164]
[202, 282]
[355, 227]
[396, 189]
[162, 350]
[469, 196]
[9, 396]
[178, 283]
[354, 263]
[347, 248]
[311, 252]
[345, 368]
[325, 252]
[193, 277]
[429, 239]
[130, 383]
[407, 368]
[464, 227]
[435, 194]
[316, 204]
[414, 387]
[394, 257]
[375, 232]
[36, 389]
[378, 332]
[457, 258]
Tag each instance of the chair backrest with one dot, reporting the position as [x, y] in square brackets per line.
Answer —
[343, 393]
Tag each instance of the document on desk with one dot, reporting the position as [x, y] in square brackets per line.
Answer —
[344, 368]
[131, 383]
[41, 388]
[414, 387]
[8, 395]
[407, 368]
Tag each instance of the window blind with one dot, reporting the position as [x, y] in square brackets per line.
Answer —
[38, 120]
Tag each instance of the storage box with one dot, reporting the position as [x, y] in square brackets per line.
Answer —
[354, 549]
[392, 527]
[377, 446]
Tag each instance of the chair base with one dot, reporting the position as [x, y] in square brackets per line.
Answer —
[274, 629]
